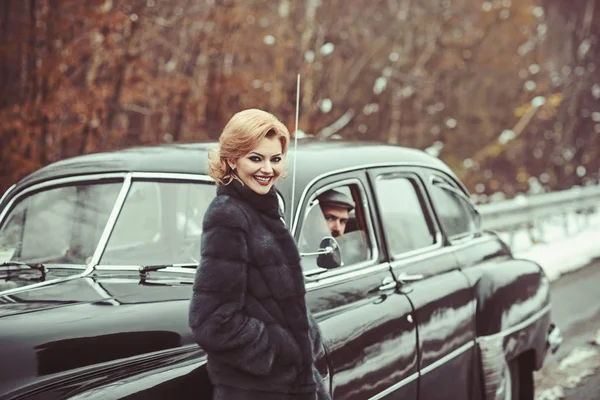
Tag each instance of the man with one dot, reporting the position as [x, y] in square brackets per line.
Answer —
[336, 207]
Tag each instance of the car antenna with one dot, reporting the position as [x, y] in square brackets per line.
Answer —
[295, 151]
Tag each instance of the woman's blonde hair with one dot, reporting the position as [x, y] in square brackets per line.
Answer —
[244, 131]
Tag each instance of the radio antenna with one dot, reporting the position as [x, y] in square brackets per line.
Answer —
[295, 151]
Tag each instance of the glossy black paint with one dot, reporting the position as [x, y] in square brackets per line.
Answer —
[108, 335]
[91, 321]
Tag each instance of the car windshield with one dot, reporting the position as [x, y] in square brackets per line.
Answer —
[160, 223]
[60, 225]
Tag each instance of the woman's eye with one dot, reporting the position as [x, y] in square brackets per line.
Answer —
[276, 159]
[254, 158]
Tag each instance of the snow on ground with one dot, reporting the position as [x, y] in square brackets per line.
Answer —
[558, 247]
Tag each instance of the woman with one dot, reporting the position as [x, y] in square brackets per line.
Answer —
[248, 310]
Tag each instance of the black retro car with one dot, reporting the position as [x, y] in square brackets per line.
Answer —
[415, 300]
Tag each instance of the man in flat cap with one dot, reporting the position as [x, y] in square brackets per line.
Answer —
[336, 207]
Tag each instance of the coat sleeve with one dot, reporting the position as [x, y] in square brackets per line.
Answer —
[318, 351]
[216, 317]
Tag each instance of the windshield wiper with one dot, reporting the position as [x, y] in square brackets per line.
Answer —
[150, 268]
[39, 267]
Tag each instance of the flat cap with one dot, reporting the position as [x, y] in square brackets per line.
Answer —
[334, 198]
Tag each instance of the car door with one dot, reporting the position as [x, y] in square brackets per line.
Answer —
[426, 269]
[368, 329]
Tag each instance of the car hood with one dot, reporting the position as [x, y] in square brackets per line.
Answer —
[85, 321]
[14, 277]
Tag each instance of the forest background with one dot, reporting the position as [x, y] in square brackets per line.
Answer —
[506, 92]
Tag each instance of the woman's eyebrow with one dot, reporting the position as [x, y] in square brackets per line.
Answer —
[260, 155]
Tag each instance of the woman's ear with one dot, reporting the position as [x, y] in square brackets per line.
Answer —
[231, 164]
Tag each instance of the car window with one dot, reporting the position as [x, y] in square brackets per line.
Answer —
[60, 225]
[453, 213]
[405, 223]
[329, 216]
[160, 223]
[139, 220]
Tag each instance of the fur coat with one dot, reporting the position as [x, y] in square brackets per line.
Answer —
[248, 309]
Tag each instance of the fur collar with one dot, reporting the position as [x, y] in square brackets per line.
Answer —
[267, 204]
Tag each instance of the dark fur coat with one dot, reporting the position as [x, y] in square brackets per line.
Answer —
[248, 309]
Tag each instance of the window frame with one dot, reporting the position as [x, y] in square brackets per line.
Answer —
[154, 177]
[156, 237]
[426, 208]
[443, 183]
[323, 273]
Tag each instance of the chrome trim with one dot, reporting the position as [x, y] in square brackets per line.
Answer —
[58, 182]
[515, 328]
[474, 241]
[398, 258]
[102, 292]
[110, 224]
[393, 388]
[373, 240]
[426, 252]
[5, 195]
[453, 354]
[172, 176]
[359, 270]
[313, 181]
[174, 268]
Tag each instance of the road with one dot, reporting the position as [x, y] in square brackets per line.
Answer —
[576, 309]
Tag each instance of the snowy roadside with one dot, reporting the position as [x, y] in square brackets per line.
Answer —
[569, 373]
[558, 253]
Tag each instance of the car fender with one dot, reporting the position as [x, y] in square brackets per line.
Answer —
[512, 317]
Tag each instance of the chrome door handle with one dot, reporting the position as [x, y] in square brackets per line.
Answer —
[388, 283]
[405, 278]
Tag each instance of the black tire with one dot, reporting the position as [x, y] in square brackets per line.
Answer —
[521, 376]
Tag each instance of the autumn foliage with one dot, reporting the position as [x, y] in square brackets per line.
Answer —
[506, 92]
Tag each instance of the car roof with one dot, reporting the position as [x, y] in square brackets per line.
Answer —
[314, 158]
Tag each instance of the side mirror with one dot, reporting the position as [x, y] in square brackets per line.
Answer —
[329, 255]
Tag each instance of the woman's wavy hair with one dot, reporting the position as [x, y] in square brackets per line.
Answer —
[241, 135]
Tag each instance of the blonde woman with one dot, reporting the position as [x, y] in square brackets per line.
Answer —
[248, 310]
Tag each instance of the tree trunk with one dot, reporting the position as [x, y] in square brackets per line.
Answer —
[113, 105]
[4, 61]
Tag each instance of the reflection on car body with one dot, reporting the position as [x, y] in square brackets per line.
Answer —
[415, 300]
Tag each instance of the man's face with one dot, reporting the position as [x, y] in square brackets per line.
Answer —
[337, 218]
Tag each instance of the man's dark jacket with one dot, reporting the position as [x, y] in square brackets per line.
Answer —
[248, 309]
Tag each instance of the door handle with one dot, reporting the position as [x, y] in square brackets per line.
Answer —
[388, 283]
[405, 278]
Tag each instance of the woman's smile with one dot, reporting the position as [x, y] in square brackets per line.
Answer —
[260, 168]
[263, 180]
